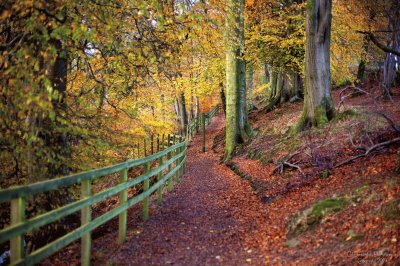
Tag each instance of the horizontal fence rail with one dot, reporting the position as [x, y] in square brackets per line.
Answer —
[165, 165]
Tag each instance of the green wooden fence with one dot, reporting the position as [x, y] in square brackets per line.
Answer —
[166, 164]
[194, 126]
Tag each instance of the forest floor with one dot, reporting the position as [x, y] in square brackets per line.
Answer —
[260, 211]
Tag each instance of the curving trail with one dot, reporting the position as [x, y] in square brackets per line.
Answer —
[206, 220]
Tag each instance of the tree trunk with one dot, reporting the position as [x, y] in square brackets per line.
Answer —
[276, 87]
[177, 110]
[223, 97]
[191, 106]
[249, 84]
[273, 77]
[283, 85]
[294, 86]
[197, 110]
[389, 71]
[54, 132]
[182, 107]
[237, 126]
[267, 74]
[361, 76]
[318, 104]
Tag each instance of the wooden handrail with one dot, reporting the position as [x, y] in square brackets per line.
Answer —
[174, 164]
[194, 126]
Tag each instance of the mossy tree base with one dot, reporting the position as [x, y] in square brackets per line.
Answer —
[320, 116]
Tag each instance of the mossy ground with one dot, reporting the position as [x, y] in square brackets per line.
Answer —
[309, 218]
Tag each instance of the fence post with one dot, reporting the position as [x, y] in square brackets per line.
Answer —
[152, 144]
[181, 158]
[146, 185]
[169, 156]
[184, 163]
[17, 216]
[144, 148]
[159, 177]
[86, 245]
[203, 128]
[123, 197]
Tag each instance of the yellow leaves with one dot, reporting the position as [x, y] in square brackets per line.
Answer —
[346, 45]
[276, 36]
[249, 2]
[5, 14]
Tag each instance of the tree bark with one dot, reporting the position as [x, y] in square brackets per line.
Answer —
[318, 104]
[182, 107]
[249, 85]
[192, 111]
[363, 62]
[197, 110]
[389, 71]
[177, 110]
[223, 97]
[237, 125]
[267, 73]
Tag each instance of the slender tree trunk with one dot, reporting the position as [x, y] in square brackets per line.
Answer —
[182, 107]
[249, 84]
[223, 97]
[267, 74]
[363, 62]
[191, 106]
[60, 105]
[279, 87]
[177, 111]
[318, 104]
[197, 110]
[283, 84]
[54, 132]
[294, 86]
[273, 84]
[389, 71]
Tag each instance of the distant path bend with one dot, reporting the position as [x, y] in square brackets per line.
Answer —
[204, 221]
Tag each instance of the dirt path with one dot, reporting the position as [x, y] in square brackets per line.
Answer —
[203, 222]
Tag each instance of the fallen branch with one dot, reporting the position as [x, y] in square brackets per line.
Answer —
[391, 122]
[343, 97]
[368, 151]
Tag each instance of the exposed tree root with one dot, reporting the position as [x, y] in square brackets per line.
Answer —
[285, 162]
[368, 151]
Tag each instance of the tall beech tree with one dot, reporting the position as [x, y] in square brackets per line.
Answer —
[237, 124]
[318, 104]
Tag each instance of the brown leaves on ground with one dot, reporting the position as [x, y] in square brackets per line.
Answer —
[213, 217]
